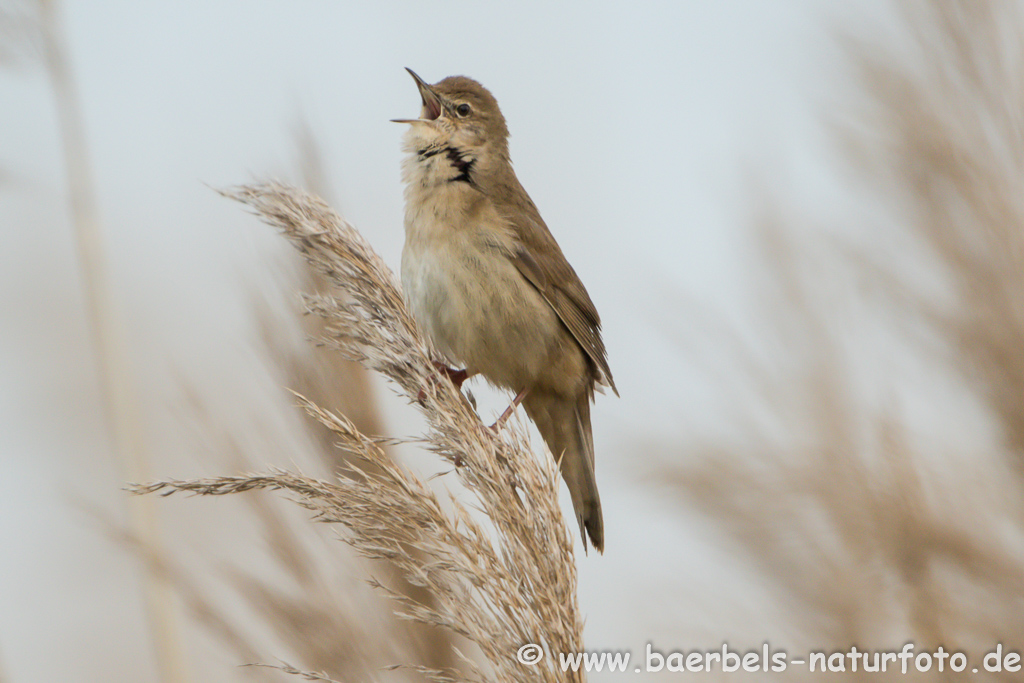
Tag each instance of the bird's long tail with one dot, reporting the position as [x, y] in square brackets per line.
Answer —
[565, 425]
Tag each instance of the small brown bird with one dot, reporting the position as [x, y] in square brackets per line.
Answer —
[488, 283]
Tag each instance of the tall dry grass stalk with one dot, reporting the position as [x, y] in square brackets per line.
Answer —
[120, 399]
[499, 585]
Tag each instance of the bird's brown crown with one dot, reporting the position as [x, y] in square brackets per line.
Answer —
[483, 107]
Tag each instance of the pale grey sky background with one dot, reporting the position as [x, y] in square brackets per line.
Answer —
[644, 131]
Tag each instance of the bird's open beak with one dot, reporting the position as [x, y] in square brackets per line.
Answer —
[431, 101]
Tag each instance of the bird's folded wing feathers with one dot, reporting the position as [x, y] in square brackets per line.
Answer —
[558, 283]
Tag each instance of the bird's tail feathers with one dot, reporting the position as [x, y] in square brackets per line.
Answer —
[565, 426]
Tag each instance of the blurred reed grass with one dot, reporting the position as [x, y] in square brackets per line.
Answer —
[864, 534]
[119, 394]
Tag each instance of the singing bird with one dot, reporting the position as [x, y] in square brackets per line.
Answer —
[486, 280]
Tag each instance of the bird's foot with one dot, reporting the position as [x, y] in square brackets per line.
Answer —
[456, 376]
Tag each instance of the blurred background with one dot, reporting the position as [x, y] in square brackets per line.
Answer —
[801, 222]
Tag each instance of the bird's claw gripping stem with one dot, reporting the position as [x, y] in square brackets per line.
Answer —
[456, 376]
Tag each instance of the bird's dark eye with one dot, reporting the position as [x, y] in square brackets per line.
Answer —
[463, 110]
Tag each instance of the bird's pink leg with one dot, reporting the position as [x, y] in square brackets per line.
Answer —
[508, 411]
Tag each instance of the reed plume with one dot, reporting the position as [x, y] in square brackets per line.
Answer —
[500, 584]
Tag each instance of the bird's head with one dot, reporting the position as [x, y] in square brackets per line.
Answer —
[460, 121]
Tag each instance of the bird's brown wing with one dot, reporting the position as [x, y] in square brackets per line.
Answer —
[540, 260]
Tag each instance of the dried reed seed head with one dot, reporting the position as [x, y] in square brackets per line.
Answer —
[501, 585]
